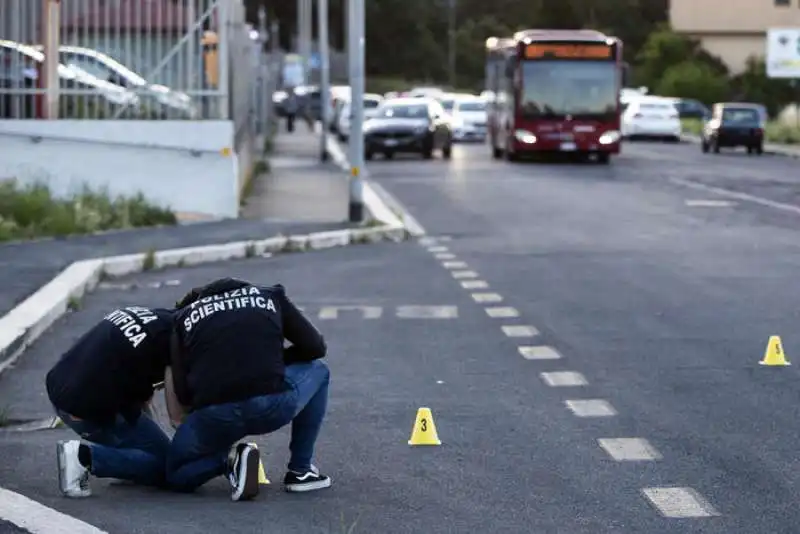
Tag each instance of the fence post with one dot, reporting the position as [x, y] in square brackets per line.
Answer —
[51, 24]
[325, 89]
[224, 58]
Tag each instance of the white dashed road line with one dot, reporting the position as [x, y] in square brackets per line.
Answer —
[464, 274]
[427, 312]
[591, 408]
[474, 284]
[558, 379]
[444, 256]
[502, 312]
[437, 248]
[679, 503]
[629, 449]
[454, 265]
[541, 352]
[486, 297]
[520, 331]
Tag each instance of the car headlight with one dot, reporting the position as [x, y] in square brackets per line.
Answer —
[525, 136]
[609, 137]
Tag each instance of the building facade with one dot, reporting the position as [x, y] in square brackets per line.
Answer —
[733, 29]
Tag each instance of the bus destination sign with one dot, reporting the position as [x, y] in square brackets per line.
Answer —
[568, 51]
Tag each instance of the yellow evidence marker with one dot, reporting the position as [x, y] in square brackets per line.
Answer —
[424, 431]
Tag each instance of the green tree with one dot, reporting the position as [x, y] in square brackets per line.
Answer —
[754, 85]
[693, 79]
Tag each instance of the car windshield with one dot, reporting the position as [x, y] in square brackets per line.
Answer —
[740, 116]
[448, 104]
[471, 106]
[577, 88]
[100, 62]
[370, 103]
[406, 111]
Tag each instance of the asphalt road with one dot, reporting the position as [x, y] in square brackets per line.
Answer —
[659, 309]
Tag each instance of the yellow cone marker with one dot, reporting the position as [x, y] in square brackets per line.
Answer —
[424, 431]
[262, 475]
[774, 355]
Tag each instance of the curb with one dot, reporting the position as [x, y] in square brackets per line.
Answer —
[375, 192]
[24, 324]
[768, 148]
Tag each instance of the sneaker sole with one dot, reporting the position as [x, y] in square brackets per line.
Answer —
[309, 486]
[250, 488]
[61, 461]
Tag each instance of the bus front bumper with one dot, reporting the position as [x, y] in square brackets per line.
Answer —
[608, 142]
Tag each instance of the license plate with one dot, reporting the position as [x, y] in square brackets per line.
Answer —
[568, 147]
[390, 142]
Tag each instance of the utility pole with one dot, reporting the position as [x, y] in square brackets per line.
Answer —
[355, 49]
[324, 70]
[265, 89]
[451, 47]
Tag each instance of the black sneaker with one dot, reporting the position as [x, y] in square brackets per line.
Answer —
[307, 481]
[243, 472]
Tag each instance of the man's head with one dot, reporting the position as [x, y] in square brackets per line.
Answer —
[221, 285]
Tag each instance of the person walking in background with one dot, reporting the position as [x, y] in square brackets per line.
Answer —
[292, 106]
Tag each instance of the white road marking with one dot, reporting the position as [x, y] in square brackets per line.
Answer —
[739, 196]
[559, 379]
[444, 238]
[437, 248]
[486, 297]
[39, 519]
[172, 283]
[679, 503]
[445, 256]
[591, 408]
[427, 241]
[427, 312]
[454, 265]
[502, 312]
[541, 352]
[520, 331]
[464, 274]
[710, 203]
[367, 312]
[629, 449]
[474, 284]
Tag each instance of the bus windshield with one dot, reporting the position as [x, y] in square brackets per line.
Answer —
[585, 89]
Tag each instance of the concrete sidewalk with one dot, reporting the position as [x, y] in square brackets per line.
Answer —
[792, 151]
[299, 186]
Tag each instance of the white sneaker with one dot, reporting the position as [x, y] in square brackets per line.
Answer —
[73, 478]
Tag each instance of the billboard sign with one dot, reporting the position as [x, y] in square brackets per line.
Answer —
[783, 53]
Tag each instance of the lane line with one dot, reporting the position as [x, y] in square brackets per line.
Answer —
[486, 297]
[464, 274]
[539, 352]
[39, 519]
[590, 408]
[629, 449]
[560, 379]
[710, 203]
[454, 265]
[679, 502]
[520, 331]
[438, 248]
[445, 256]
[739, 196]
[427, 312]
[502, 312]
[428, 241]
[474, 284]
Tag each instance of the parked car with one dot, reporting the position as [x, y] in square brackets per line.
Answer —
[408, 125]
[469, 119]
[371, 103]
[735, 124]
[689, 108]
[156, 98]
[81, 93]
[425, 92]
[651, 117]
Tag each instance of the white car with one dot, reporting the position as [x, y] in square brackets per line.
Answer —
[371, 103]
[651, 117]
[469, 119]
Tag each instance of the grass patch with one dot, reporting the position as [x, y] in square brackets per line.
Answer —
[74, 303]
[5, 416]
[29, 211]
[776, 132]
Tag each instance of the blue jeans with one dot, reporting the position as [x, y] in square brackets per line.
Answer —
[135, 452]
[200, 447]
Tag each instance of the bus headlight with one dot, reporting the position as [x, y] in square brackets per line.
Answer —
[609, 137]
[524, 136]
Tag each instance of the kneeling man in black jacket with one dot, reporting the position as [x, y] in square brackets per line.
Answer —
[100, 388]
[233, 376]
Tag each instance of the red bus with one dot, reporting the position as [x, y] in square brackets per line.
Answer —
[555, 91]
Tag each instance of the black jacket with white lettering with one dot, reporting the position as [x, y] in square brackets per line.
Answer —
[111, 369]
[229, 342]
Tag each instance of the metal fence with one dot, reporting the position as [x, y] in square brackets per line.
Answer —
[134, 59]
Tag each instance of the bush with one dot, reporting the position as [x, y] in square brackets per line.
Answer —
[775, 132]
[693, 79]
[31, 211]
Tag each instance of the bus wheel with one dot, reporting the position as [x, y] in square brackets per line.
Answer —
[496, 153]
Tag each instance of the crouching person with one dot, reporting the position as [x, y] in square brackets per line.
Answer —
[235, 379]
[101, 388]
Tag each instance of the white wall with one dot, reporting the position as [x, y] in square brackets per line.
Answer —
[187, 166]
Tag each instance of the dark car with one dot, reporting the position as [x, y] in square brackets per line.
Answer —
[691, 109]
[408, 125]
[733, 125]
